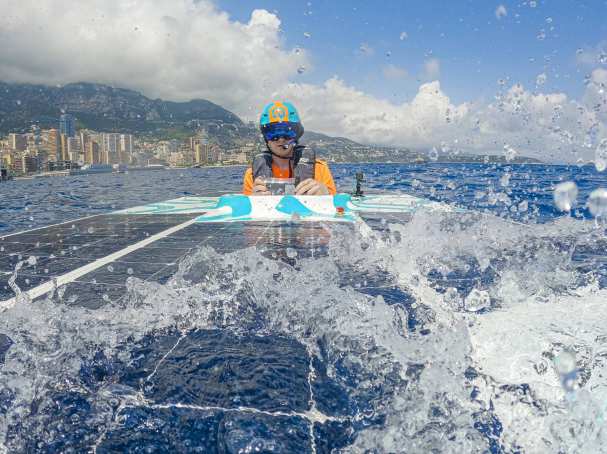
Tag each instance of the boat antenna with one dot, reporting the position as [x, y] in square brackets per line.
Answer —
[360, 177]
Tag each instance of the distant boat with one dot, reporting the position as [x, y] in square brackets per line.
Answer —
[4, 175]
[91, 169]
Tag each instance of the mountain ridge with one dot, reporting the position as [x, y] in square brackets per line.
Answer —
[101, 107]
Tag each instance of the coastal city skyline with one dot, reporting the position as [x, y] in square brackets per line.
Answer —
[86, 151]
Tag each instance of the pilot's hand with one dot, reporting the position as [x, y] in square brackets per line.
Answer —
[311, 187]
[259, 187]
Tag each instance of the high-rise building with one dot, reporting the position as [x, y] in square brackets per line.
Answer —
[91, 155]
[54, 145]
[126, 148]
[201, 153]
[110, 147]
[84, 139]
[67, 125]
[64, 151]
[17, 142]
[74, 149]
[193, 141]
[30, 164]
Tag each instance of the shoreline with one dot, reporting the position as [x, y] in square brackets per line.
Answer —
[221, 166]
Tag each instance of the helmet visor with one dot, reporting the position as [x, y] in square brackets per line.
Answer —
[275, 131]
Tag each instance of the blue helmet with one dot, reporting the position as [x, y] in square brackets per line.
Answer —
[280, 119]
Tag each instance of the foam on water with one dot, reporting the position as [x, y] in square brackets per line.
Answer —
[543, 303]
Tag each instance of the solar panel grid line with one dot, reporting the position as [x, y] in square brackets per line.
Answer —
[51, 225]
[97, 287]
[74, 274]
[311, 416]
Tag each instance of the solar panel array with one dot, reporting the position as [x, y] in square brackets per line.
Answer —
[50, 252]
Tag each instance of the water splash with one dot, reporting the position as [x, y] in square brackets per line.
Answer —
[565, 195]
[597, 202]
[600, 156]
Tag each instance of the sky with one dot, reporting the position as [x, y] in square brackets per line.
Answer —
[476, 76]
[476, 43]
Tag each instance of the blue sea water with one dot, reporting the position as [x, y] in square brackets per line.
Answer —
[36, 203]
[474, 333]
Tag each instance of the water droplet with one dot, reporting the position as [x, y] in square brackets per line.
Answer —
[291, 253]
[433, 154]
[549, 20]
[297, 50]
[129, 271]
[307, 35]
[600, 156]
[532, 4]
[509, 153]
[18, 102]
[565, 362]
[565, 195]
[541, 36]
[403, 36]
[541, 79]
[90, 230]
[477, 300]
[110, 268]
[301, 69]
[579, 51]
[566, 366]
[597, 202]
[541, 367]
[523, 206]
[603, 58]
[31, 260]
[500, 12]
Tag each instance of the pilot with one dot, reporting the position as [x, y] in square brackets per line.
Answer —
[285, 158]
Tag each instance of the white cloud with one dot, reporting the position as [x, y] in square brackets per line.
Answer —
[595, 96]
[500, 12]
[431, 69]
[394, 72]
[185, 49]
[338, 109]
[178, 49]
[547, 126]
